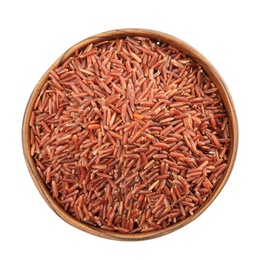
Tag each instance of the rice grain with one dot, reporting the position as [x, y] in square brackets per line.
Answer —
[130, 135]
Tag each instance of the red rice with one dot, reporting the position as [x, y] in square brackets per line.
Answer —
[130, 135]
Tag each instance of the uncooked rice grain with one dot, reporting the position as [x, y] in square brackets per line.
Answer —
[130, 135]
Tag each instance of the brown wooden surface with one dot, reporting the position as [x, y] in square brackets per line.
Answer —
[197, 57]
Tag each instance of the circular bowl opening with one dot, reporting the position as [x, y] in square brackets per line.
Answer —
[185, 181]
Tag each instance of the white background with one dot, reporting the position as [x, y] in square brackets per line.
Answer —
[35, 33]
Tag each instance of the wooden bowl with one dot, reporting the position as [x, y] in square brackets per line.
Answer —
[194, 55]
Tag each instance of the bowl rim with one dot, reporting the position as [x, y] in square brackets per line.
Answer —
[157, 36]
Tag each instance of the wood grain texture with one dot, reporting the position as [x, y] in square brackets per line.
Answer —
[121, 33]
